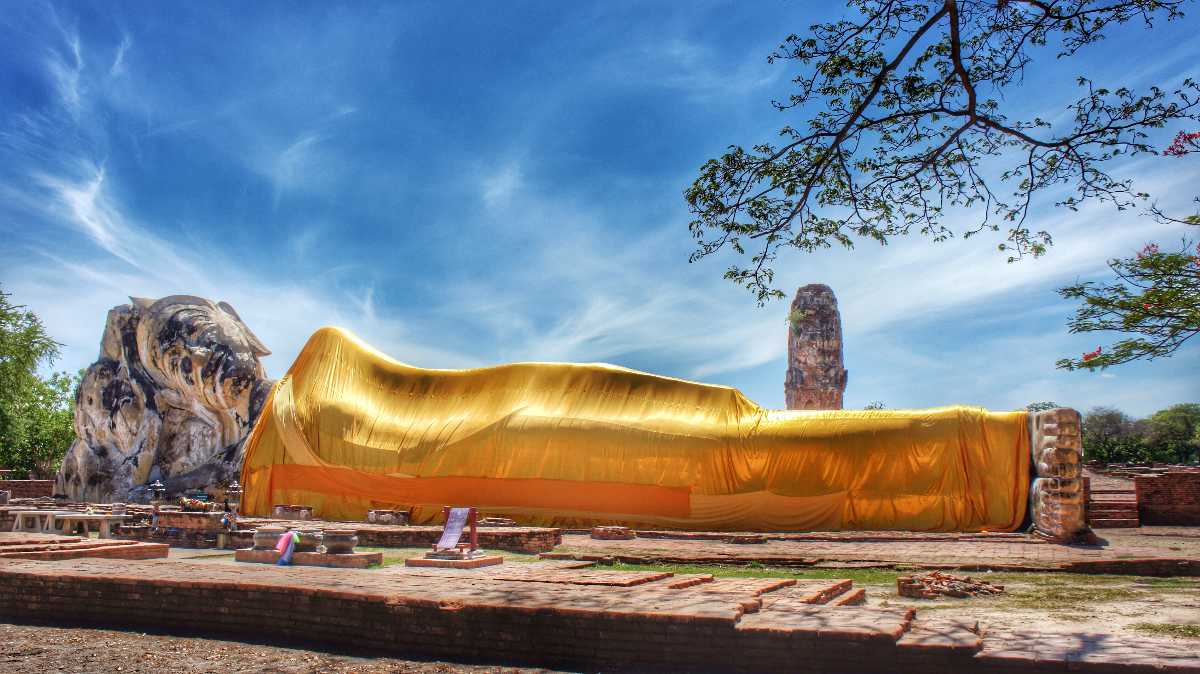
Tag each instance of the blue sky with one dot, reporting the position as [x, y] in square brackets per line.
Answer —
[478, 183]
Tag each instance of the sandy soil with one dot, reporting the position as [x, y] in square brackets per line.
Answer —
[28, 649]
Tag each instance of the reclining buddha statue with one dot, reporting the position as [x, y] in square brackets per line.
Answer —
[349, 429]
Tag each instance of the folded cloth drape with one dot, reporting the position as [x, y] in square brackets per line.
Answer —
[286, 547]
[349, 429]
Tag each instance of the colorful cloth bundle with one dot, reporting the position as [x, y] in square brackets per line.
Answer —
[286, 547]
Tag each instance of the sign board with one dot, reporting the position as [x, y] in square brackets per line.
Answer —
[455, 522]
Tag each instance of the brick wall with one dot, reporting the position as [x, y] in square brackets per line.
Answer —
[28, 488]
[1169, 498]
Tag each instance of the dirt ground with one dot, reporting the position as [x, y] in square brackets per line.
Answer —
[30, 649]
[1150, 609]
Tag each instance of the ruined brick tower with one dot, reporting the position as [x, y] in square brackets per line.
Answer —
[816, 378]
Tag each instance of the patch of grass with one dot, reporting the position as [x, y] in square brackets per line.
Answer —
[859, 576]
[1168, 583]
[1068, 598]
[1050, 579]
[1170, 630]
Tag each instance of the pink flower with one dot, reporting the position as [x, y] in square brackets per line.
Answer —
[1184, 143]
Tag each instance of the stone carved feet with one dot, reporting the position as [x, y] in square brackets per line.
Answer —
[1056, 495]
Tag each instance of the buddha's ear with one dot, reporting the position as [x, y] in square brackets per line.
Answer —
[252, 340]
[141, 302]
[227, 308]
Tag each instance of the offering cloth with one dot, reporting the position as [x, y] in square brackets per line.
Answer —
[349, 429]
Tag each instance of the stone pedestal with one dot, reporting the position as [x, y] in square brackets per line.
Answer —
[292, 512]
[607, 533]
[387, 516]
[469, 563]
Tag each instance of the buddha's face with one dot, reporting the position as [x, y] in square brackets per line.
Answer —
[198, 351]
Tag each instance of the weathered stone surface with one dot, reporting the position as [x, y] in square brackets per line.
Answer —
[173, 396]
[816, 377]
[1057, 495]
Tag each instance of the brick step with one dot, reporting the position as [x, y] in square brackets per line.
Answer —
[1114, 523]
[1113, 511]
[130, 550]
[806, 592]
[63, 545]
[1111, 507]
[855, 597]
[16, 538]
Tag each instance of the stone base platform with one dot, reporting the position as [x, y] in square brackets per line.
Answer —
[547, 614]
[1146, 551]
[25, 545]
[472, 563]
[529, 540]
[352, 560]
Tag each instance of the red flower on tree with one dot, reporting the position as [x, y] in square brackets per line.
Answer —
[1184, 143]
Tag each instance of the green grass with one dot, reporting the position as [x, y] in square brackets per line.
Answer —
[1169, 583]
[859, 576]
[1182, 631]
[1067, 598]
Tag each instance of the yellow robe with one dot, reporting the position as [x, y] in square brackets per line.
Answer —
[349, 429]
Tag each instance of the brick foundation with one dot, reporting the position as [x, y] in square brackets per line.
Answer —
[731, 626]
[1169, 498]
[529, 540]
[353, 560]
[28, 488]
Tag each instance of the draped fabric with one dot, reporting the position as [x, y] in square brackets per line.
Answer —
[349, 429]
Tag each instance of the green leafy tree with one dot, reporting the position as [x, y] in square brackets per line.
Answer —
[898, 117]
[1155, 298]
[1110, 435]
[35, 413]
[1173, 432]
[1169, 436]
[875, 405]
[1042, 406]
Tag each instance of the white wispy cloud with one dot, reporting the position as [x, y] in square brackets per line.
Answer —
[499, 186]
[118, 63]
[66, 70]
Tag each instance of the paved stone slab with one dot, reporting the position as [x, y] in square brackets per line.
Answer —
[26, 546]
[1045, 652]
[831, 624]
[946, 635]
[538, 573]
[1141, 551]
